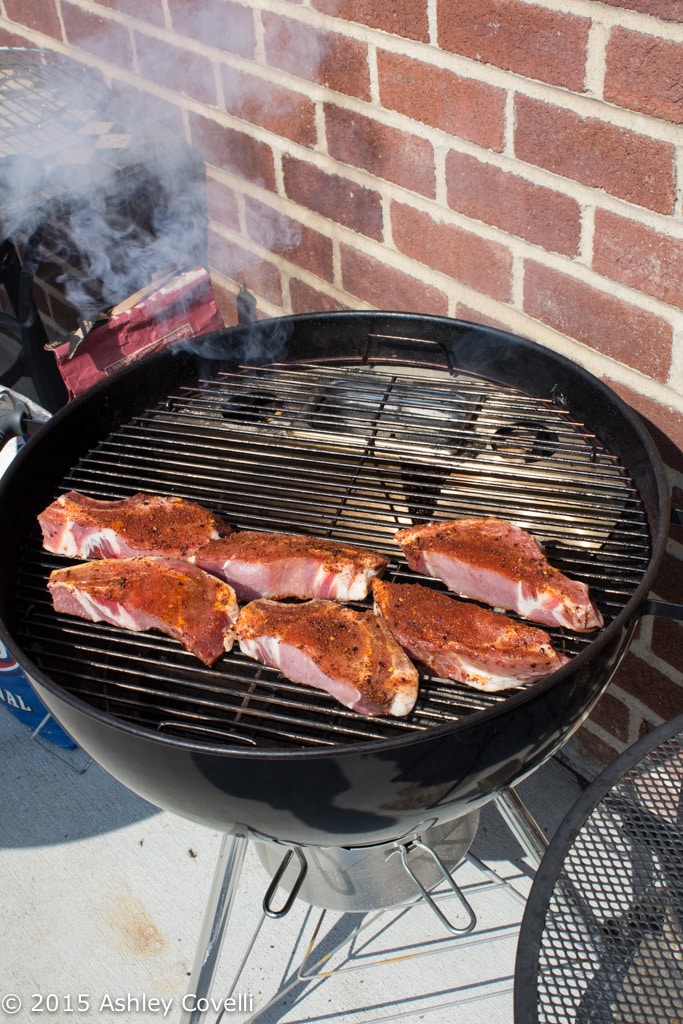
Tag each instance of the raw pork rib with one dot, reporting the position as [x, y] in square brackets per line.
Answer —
[167, 594]
[349, 654]
[288, 565]
[491, 560]
[458, 640]
[145, 524]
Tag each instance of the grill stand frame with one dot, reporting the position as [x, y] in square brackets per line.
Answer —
[216, 920]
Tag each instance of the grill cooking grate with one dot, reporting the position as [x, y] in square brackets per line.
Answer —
[350, 453]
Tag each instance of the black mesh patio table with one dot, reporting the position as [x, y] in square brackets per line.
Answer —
[602, 935]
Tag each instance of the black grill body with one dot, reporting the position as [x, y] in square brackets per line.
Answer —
[347, 425]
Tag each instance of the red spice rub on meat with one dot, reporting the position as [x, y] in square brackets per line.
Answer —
[459, 640]
[350, 654]
[277, 565]
[139, 594]
[493, 561]
[144, 524]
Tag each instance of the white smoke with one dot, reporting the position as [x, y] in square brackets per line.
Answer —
[118, 197]
[114, 197]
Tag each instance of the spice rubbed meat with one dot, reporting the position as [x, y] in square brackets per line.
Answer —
[351, 655]
[459, 640]
[139, 594]
[276, 565]
[492, 561]
[145, 524]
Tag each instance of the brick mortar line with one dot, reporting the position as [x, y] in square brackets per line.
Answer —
[589, 9]
[432, 21]
[42, 41]
[270, 309]
[167, 13]
[612, 17]
[457, 292]
[373, 72]
[587, 233]
[675, 478]
[596, 362]
[259, 36]
[293, 271]
[92, 7]
[664, 667]
[509, 128]
[394, 119]
[441, 152]
[594, 70]
[633, 728]
[582, 104]
[608, 738]
[337, 270]
[636, 707]
[517, 284]
[676, 369]
[673, 547]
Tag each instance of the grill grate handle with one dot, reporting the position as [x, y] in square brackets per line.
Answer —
[404, 850]
[663, 609]
[268, 908]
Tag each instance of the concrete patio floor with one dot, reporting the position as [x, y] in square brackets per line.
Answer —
[103, 898]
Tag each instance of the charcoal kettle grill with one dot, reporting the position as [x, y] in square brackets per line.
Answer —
[348, 426]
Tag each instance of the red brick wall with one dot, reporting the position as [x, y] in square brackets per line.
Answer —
[499, 160]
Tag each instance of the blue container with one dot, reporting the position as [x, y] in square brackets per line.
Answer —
[16, 694]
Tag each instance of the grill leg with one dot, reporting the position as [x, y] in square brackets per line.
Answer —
[221, 899]
[522, 824]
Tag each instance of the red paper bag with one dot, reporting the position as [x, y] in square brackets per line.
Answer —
[183, 307]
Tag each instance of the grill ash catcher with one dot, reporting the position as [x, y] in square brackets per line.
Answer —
[347, 426]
